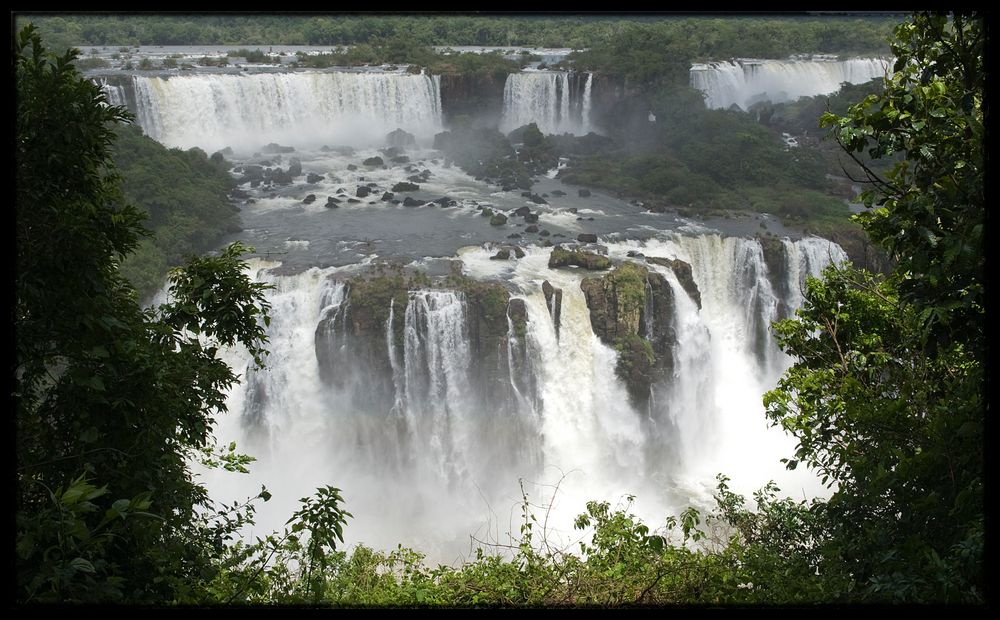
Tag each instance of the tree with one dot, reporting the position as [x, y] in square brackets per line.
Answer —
[112, 401]
[886, 395]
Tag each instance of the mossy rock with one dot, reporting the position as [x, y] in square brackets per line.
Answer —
[562, 257]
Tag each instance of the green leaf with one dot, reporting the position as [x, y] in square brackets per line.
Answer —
[82, 566]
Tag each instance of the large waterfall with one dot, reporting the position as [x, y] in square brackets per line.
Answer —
[410, 423]
[558, 101]
[743, 82]
[246, 111]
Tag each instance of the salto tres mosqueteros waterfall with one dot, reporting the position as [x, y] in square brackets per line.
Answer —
[743, 82]
[558, 101]
[431, 380]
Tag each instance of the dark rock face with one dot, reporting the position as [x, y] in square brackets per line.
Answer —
[405, 187]
[562, 257]
[295, 167]
[400, 139]
[311, 198]
[374, 161]
[312, 177]
[363, 191]
[411, 202]
[277, 148]
[586, 238]
[683, 272]
[478, 97]
[503, 254]
[386, 197]
[331, 203]
[631, 309]
[553, 301]
[522, 211]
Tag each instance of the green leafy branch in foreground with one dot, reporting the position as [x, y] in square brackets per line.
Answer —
[733, 555]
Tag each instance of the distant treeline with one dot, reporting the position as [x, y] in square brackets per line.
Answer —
[705, 37]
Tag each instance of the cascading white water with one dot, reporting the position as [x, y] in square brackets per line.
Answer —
[246, 111]
[435, 460]
[115, 94]
[808, 257]
[437, 391]
[547, 99]
[743, 82]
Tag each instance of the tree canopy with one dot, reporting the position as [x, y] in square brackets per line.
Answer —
[112, 401]
[886, 398]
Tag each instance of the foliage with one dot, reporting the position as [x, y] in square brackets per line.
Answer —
[184, 194]
[112, 401]
[695, 37]
[928, 210]
[886, 396]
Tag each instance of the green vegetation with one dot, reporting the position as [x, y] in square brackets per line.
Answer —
[690, 37]
[886, 398]
[112, 401]
[486, 154]
[661, 51]
[563, 257]
[184, 194]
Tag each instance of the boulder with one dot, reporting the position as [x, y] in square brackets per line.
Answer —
[331, 203]
[586, 238]
[522, 211]
[498, 219]
[535, 198]
[374, 161]
[682, 270]
[312, 177]
[363, 191]
[353, 200]
[311, 198]
[352, 167]
[386, 197]
[400, 139]
[531, 218]
[503, 254]
[277, 148]
[558, 192]
[562, 257]
[531, 229]
[411, 202]
[553, 301]
[405, 187]
[295, 167]
[400, 159]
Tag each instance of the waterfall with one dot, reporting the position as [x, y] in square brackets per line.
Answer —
[246, 111]
[743, 82]
[437, 391]
[549, 99]
[114, 93]
[428, 440]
